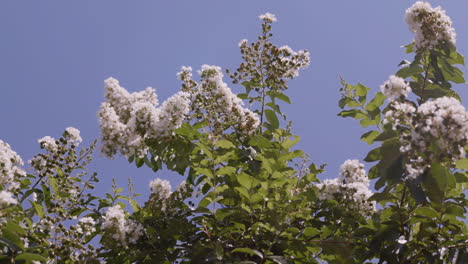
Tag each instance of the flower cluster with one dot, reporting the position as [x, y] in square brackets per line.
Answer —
[439, 133]
[10, 167]
[46, 163]
[351, 187]
[123, 231]
[86, 226]
[72, 135]
[160, 188]
[223, 107]
[283, 62]
[399, 113]
[7, 199]
[48, 143]
[291, 62]
[268, 17]
[128, 119]
[395, 88]
[431, 26]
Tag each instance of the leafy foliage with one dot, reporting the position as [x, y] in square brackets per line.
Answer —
[254, 197]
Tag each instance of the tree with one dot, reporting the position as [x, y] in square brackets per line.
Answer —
[250, 196]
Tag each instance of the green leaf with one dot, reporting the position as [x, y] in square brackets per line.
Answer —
[11, 237]
[361, 90]
[260, 141]
[386, 134]
[456, 210]
[376, 102]
[365, 122]
[373, 155]
[228, 170]
[354, 113]
[243, 96]
[29, 257]
[272, 118]
[245, 180]
[435, 182]
[412, 70]
[248, 251]
[370, 136]
[426, 212]
[53, 184]
[283, 97]
[39, 209]
[462, 164]
[139, 161]
[243, 191]
[288, 142]
[311, 232]
[224, 143]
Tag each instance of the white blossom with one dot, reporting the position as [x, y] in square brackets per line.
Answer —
[402, 240]
[128, 119]
[353, 171]
[10, 166]
[243, 43]
[48, 143]
[430, 25]
[399, 113]
[268, 17]
[86, 226]
[171, 114]
[185, 74]
[395, 87]
[352, 186]
[161, 188]
[122, 230]
[7, 199]
[39, 164]
[443, 251]
[34, 197]
[218, 98]
[441, 123]
[73, 135]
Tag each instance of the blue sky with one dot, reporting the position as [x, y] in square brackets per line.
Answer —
[55, 55]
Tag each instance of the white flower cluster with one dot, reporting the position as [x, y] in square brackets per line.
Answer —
[431, 26]
[185, 74]
[399, 113]
[86, 226]
[7, 199]
[128, 119]
[42, 163]
[292, 61]
[268, 17]
[122, 230]
[352, 186]
[73, 135]
[225, 107]
[160, 188]
[243, 43]
[48, 143]
[10, 167]
[395, 88]
[440, 123]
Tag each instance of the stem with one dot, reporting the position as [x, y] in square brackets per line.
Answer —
[263, 103]
[262, 81]
[424, 82]
[402, 224]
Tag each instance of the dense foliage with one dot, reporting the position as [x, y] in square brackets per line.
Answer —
[249, 195]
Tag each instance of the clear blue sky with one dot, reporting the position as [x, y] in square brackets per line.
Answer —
[54, 56]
